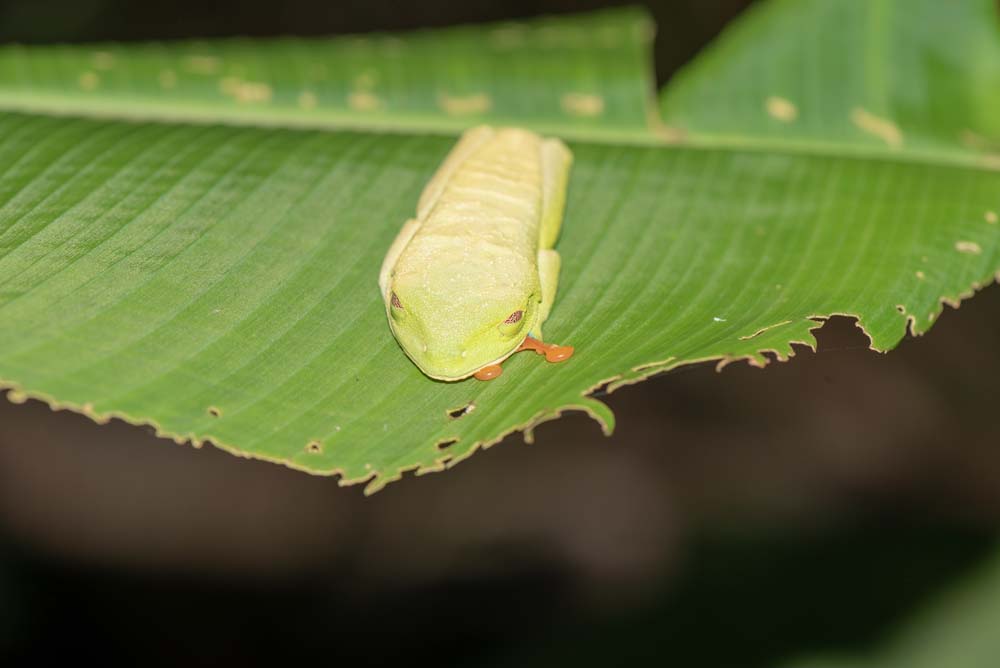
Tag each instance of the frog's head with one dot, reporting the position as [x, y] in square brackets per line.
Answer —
[453, 319]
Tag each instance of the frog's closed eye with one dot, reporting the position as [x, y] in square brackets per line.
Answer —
[397, 311]
[512, 324]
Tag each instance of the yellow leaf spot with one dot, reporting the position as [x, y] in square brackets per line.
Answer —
[467, 104]
[991, 217]
[882, 128]
[307, 99]
[582, 104]
[781, 109]
[360, 100]
[508, 37]
[253, 91]
[554, 37]
[203, 64]
[245, 91]
[89, 80]
[104, 60]
[975, 141]
[921, 275]
[968, 247]
[168, 79]
[366, 80]
[230, 85]
[609, 37]
[391, 44]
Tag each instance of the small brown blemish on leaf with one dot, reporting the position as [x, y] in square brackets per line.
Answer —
[970, 247]
[582, 104]
[974, 140]
[781, 109]
[203, 64]
[900, 308]
[991, 217]
[456, 413]
[253, 91]
[103, 60]
[89, 80]
[366, 80]
[168, 79]
[214, 412]
[882, 128]
[465, 104]
[360, 100]
[230, 85]
[921, 275]
[609, 37]
[307, 99]
[314, 447]
[508, 37]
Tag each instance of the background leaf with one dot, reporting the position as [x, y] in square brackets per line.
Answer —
[898, 76]
[219, 282]
[958, 629]
[587, 75]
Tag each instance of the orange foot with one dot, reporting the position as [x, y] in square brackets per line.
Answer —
[552, 352]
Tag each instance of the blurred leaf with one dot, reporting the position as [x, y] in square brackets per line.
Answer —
[586, 75]
[884, 77]
[959, 630]
[220, 282]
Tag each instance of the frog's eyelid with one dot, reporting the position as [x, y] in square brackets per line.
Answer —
[514, 317]
[394, 300]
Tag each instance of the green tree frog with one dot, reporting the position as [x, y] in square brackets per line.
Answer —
[471, 279]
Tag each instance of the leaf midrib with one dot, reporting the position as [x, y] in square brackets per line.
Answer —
[643, 137]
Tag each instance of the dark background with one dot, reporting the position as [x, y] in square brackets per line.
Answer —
[734, 519]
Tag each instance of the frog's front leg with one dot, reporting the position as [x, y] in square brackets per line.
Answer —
[548, 276]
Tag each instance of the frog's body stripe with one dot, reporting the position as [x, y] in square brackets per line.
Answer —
[482, 239]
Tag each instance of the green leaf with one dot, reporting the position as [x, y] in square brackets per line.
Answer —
[586, 75]
[219, 282]
[956, 630]
[919, 77]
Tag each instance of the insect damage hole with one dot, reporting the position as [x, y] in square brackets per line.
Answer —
[214, 412]
[456, 413]
[444, 445]
[314, 447]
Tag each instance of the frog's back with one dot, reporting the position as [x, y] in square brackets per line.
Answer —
[490, 191]
[479, 219]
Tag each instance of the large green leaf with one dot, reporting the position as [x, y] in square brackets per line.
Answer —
[220, 282]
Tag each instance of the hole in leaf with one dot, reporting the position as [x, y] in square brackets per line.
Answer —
[601, 390]
[444, 445]
[456, 413]
[214, 412]
[314, 447]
